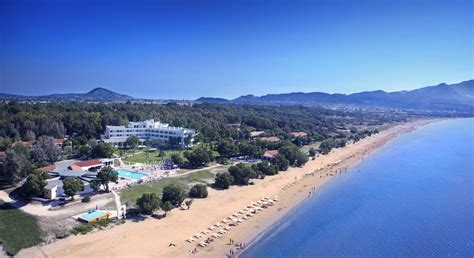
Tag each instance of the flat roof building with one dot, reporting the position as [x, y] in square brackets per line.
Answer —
[147, 130]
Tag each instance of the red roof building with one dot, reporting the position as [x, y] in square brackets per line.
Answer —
[270, 154]
[47, 168]
[58, 142]
[86, 163]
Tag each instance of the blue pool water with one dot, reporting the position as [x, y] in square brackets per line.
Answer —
[414, 198]
[93, 215]
[130, 174]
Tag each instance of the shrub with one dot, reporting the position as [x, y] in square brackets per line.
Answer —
[86, 199]
[82, 229]
[198, 191]
[148, 203]
[223, 180]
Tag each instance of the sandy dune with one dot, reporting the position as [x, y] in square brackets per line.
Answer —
[152, 237]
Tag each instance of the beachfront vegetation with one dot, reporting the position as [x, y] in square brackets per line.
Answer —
[167, 206]
[131, 194]
[71, 186]
[223, 130]
[173, 193]
[242, 173]
[223, 180]
[18, 229]
[293, 154]
[104, 176]
[148, 203]
[265, 168]
[198, 191]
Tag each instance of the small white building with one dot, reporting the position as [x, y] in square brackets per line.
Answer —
[50, 191]
[146, 130]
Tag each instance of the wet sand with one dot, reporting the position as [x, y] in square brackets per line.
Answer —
[152, 237]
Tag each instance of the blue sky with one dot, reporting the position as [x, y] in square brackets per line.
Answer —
[187, 49]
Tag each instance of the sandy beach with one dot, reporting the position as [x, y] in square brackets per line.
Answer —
[152, 237]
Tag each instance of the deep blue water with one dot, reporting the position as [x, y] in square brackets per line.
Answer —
[414, 198]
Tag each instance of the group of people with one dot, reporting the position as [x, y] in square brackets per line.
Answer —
[240, 246]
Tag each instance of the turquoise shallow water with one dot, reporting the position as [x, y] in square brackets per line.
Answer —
[414, 198]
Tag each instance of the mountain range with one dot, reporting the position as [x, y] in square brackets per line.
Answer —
[95, 95]
[458, 96]
[446, 97]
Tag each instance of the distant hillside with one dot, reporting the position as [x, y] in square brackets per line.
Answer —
[213, 100]
[97, 94]
[440, 97]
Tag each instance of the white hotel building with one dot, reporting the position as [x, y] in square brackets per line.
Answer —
[146, 130]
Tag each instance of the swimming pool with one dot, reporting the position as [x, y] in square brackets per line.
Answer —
[94, 215]
[130, 174]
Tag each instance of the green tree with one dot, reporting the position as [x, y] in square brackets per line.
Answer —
[132, 141]
[17, 163]
[95, 185]
[223, 180]
[106, 175]
[199, 156]
[265, 168]
[167, 206]
[174, 194]
[34, 184]
[326, 145]
[250, 149]
[148, 203]
[102, 150]
[293, 154]
[281, 162]
[83, 151]
[242, 173]
[71, 186]
[177, 159]
[227, 148]
[198, 191]
[52, 151]
[312, 152]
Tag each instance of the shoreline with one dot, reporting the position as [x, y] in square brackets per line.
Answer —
[147, 239]
[276, 223]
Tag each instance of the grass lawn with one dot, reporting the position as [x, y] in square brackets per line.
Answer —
[131, 194]
[150, 157]
[18, 230]
[128, 151]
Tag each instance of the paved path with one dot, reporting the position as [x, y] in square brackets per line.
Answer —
[44, 210]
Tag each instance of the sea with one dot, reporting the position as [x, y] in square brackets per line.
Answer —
[412, 198]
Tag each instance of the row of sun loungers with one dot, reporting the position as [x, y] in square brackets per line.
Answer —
[232, 221]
